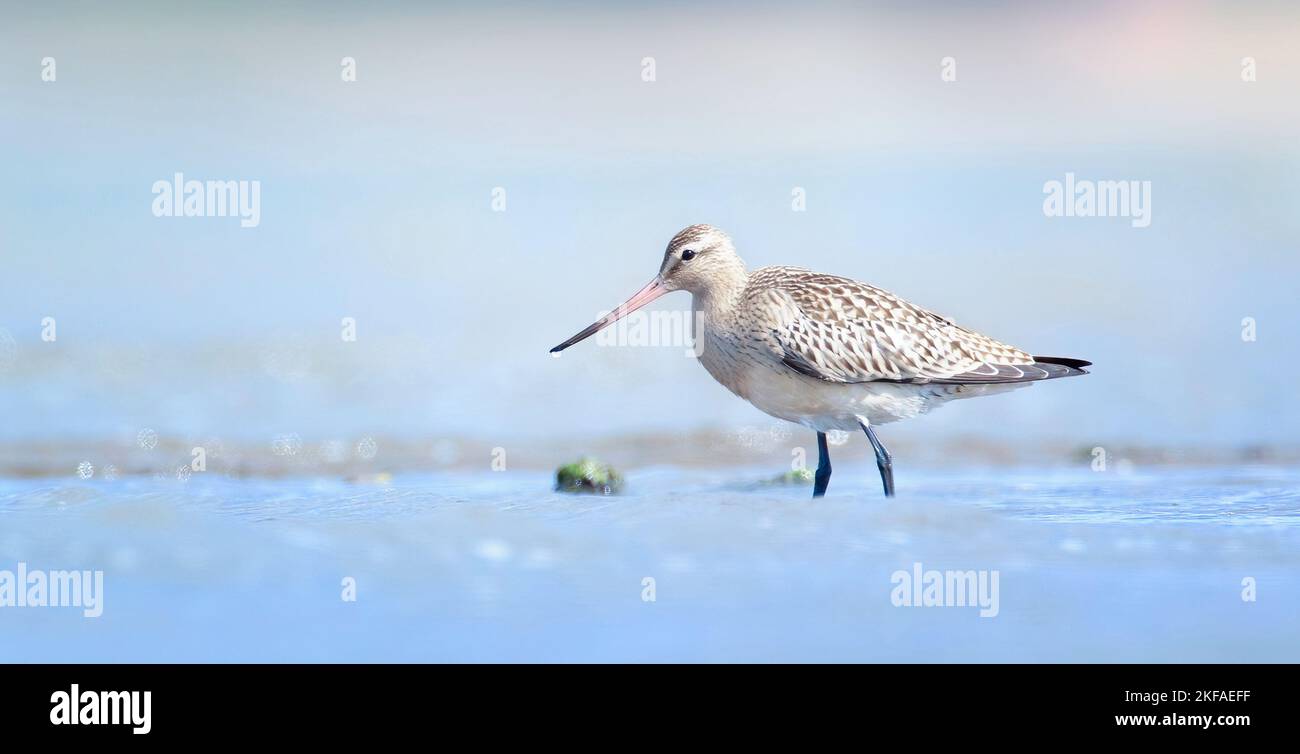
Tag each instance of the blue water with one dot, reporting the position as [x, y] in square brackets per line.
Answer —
[496, 567]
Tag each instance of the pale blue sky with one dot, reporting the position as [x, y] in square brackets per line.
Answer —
[376, 205]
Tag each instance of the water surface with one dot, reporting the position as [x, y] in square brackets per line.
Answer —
[1145, 566]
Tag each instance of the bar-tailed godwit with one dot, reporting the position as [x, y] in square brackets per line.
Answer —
[827, 352]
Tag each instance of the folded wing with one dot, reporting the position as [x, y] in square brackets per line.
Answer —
[839, 330]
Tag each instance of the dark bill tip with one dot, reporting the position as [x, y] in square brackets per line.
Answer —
[652, 290]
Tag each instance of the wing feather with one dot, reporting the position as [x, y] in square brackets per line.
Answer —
[839, 330]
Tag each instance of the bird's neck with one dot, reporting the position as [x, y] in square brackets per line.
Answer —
[721, 297]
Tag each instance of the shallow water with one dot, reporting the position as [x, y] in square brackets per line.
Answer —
[495, 566]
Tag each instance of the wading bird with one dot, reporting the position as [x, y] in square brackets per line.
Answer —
[827, 352]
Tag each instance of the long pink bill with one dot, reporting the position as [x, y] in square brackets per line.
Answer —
[653, 290]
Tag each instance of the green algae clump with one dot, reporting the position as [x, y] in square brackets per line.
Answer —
[791, 478]
[588, 475]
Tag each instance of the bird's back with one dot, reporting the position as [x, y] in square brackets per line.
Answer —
[840, 330]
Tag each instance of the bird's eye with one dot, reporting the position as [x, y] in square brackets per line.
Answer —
[688, 255]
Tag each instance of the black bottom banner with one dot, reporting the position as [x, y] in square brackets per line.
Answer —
[212, 703]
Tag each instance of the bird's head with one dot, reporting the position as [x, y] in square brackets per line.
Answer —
[699, 259]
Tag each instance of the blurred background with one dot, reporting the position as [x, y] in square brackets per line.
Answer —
[376, 204]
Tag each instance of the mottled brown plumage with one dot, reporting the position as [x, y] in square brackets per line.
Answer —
[841, 330]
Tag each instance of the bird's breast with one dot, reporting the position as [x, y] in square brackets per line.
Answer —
[724, 356]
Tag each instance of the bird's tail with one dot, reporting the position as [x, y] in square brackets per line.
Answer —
[1058, 366]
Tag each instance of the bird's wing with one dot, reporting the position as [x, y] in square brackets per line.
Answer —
[839, 330]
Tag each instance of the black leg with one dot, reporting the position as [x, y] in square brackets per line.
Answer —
[884, 461]
[823, 476]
